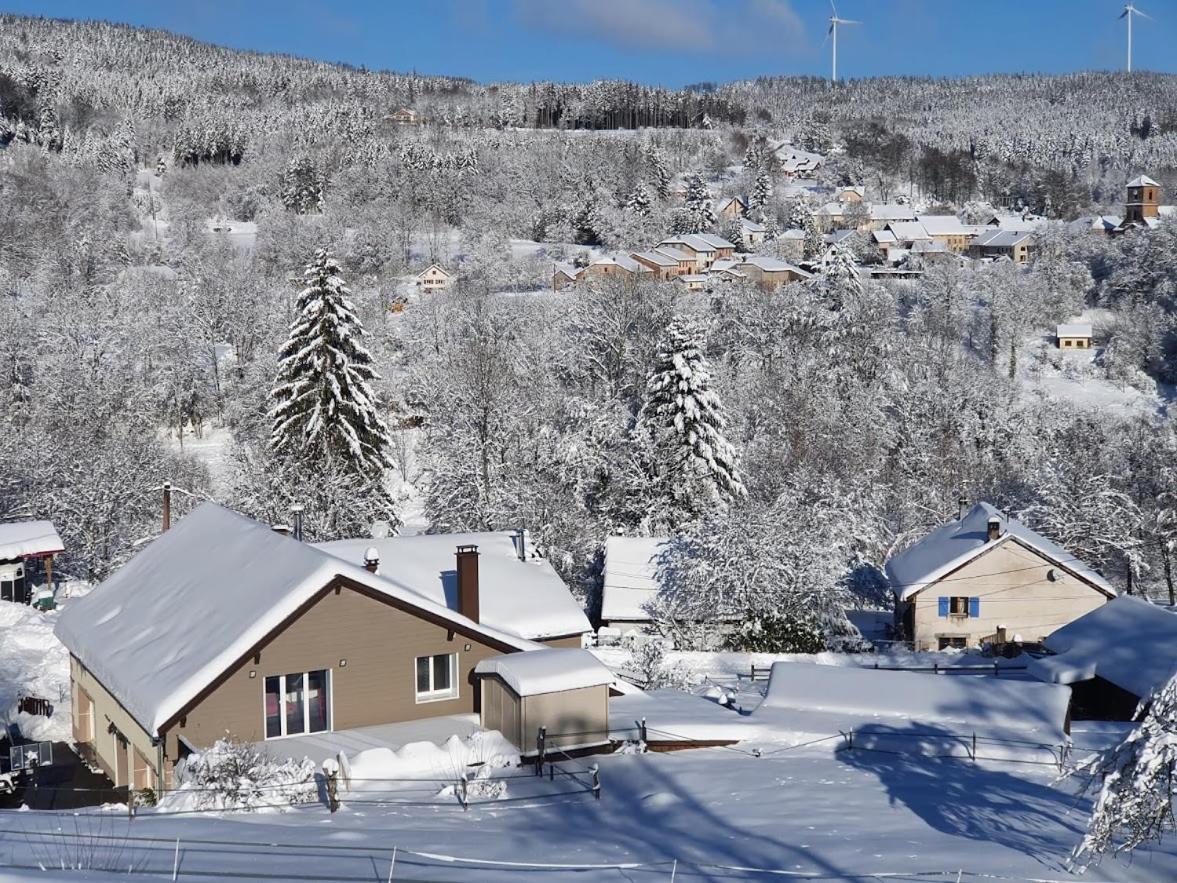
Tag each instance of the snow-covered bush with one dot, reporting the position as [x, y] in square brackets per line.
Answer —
[648, 662]
[233, 775]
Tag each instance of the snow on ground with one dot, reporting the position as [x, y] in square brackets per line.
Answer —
[33, 663]
[803, 812]
[211, 448]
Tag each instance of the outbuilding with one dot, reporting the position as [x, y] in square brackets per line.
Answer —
[563, 691]
[25, 547]
[1074, 335]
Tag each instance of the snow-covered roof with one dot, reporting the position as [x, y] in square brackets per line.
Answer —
[523, 598]
[1001, 238]
[836, 236]
[908, 231]
[943, 225]
[675, 254]
[958, 542]
[693, 241]
[1073, 329]
[567, 270]
[620, 260]
[928, 699]
[1011, 222]
[715, 241]
[769, 264]
[656, 257]
[885, 211]
[631, 576]
[830, 210]
[199, 597]
[437, 267]
[29, 539]
[547, 671]
[1128, 642]
[793, 233]
[884, 236]
[686, 278]
[751, 226]
[1143, 181]
[732, 199]
[923, 246]
[1094, 222]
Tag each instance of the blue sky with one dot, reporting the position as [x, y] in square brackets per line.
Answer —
[669, 42]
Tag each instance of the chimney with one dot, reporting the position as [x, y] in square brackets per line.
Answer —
[994, 527]
[297, 509]
[468, 582]
[372, 560]
[167, 505]
[961, 503]
[520, 540]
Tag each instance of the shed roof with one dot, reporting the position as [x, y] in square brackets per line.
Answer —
[547, 671]
[1128, 642]
[959, 541]
[189, 605]
[29, 539]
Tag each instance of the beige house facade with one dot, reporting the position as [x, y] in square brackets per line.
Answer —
[433, 278]
[987, 578]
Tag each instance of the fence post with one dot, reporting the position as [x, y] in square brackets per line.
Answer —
[541, 739]
[130, 803]
[674, 871]
[935, 668]
[850, 739]
[974, 746]
[596, 771]
[331, 780]
[392, 864]
[463, 794]
[642, 731]
[176, 863]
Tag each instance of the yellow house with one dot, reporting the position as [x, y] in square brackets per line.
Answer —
[433, 278]
[1073, 335]
[986, 577]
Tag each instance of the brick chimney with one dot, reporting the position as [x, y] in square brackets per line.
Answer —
[994, 527]
[167, 505]
[468, 582]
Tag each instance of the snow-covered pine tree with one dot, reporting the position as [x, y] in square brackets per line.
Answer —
[302, 186]
[699, 212]
[839, 271]
[638, 202]
[761, 192]
[814, 243]
[659, 174]
[1135, 803]
[685, 417]
[323, 408]
[798, 215]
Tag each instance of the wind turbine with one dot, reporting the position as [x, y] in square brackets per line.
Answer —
[833, 31]
[1129, 11]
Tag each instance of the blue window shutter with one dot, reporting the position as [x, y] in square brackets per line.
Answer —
[943, 602]
[974, 606]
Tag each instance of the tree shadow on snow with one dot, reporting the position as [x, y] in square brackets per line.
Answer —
[955, 796]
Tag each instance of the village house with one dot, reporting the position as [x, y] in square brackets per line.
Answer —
[752, 234]
[1073, 335]
[616, 266]
[565, 275]
[406, 116]
[769, 272]
[987, 578]
[1113, 658]
[934, 252]
[1100, 225]
[882, 214]
[225, 626]
[666, 262]
[829, 216]
[433, 278]
[949, 230]
[26, 560]
[993, 244]
[851, 194]
[704, 248]
[732, 208]
[795, 162]
[727, 270]
[907, 233]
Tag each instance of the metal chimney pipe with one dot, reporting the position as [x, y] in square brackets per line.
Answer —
[167, 505]
[297, 509]
[521, 543]
[960, 507]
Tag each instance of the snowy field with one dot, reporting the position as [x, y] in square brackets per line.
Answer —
[721, 814]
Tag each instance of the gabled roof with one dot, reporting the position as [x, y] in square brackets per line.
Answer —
[180, 613]
[885, 211]
[656, 256]
[908, 231]
[1128, 642]
[768, 264]
[836, 236]
[1073, 329]
[675, 254]
[732, 199]
[1105, 223]
[715, 241]
[522, 598]
[631, 576]
[751, 226]
[884, 236]
[437, 267]
[567, 270]
[958, 542]
[29, 539]
[1142, 181]
[943, 225]
[1001, 238]
[620, 260]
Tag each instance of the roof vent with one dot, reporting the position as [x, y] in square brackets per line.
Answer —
[372, 560]
[297, 509]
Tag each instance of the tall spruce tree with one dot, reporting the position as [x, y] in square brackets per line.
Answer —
[323, 408]
[697, 464]
[761, 192]
[698, 211]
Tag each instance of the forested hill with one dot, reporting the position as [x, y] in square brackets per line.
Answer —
[73, 85]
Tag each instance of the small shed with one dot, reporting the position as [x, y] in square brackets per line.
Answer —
[1074, 335]
[563, 690]
[24, 544]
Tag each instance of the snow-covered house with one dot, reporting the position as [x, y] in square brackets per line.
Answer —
[908, 232]
[406, 116]
[433, 278]
[769, 272]
[752, 233]
[1103, 225]
[986, 577]
[949, 230]
[564, 275]
[704, 248]
[27, 546]
[829, 216]
[1017, 246]
[732, 208]
[1112, 658]
[884, 213]
[665, 263]
[616, 266]
[224, 625]
[1073, 335]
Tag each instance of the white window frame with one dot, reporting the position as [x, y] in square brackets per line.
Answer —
[454, 690]
[306, 707]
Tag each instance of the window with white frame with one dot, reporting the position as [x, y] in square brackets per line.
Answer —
[437, 677]
[297, 703]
